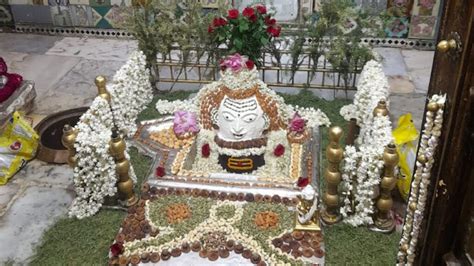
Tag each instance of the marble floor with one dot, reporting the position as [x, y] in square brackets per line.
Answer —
[64, 69]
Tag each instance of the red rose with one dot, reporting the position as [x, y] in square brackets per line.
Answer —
[302, 182]
[217, 22]
[279, 150]
[233, 14]
[261, 9]
[250, 64]
[274, 31]
[270, 21]
[253, 18]
[205, 150]
[160, 171]
[116, 249]
[210, 29]
[248, 12]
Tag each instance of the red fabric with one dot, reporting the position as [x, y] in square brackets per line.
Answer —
[14, 81]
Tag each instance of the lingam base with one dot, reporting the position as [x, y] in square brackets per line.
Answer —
[383, 226]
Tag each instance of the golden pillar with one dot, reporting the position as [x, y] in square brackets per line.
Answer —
[68, 139]
[334, 153]
[383, 222]
[122, 166]
[100, 82]
[381, 109]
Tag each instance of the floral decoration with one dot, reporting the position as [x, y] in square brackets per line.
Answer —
[245, 33]
[279, 150]
[363, 162]
[421, 180]
[206, 150]
[116, 249]
[214, 228]
[236, 63]
[297, 124]
[160, 171]
[302, 182]
[95, 173]
[185, 122]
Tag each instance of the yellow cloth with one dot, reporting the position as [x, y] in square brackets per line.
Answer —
[18, 144]
[405, 135]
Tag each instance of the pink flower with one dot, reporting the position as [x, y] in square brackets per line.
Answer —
[184, 122]
[234, 62]
[297, 123]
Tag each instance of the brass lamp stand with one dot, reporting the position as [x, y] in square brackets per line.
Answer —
[334, 153]
[383, 222]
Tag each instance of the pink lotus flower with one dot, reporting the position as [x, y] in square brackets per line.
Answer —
[184, 122]
[234, 62]
[297, 123]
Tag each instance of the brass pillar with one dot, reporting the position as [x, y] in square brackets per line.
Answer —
[100, 82]
[124, 183]
[383, 222]
[68, 139]
[334, 153]
[381, 109]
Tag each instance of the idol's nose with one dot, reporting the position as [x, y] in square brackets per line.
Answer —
[237, 127]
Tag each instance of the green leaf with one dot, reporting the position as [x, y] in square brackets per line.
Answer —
[243, 26]
[264, 40]
[238, 43]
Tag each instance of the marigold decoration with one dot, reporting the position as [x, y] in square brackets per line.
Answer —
[266, 219]
[178, 212]
[245, 33]
[279, 150]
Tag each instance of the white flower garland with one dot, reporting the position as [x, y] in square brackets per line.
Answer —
[421, 180]
[95, 174]
[363, 163]
[371, 88]
[130, 92]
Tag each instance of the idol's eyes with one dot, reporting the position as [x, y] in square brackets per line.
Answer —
[249, 118]
[228, 116]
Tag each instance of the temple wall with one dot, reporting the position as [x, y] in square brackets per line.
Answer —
[415, 19]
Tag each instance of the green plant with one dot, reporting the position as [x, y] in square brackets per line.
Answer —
[246, 33]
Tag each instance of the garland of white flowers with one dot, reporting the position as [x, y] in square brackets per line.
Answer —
[363, 163]
[94, 174]
[372, 87]
[421, 180]
[130, 92]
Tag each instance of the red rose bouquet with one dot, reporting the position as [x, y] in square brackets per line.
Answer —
[245, 33]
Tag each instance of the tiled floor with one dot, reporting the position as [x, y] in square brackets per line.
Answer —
[64, 70]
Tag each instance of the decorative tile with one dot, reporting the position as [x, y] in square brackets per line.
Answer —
[81, 16]
[31, 14]
[121, 2]
[99, 13]
[397, 27]
[79, 2]
[399, 8]
[374, 7]
[58, 2]
[118, 16]
[61, 16]
[423, 27]
[101, 3]
[426, 7]
[6, 17]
